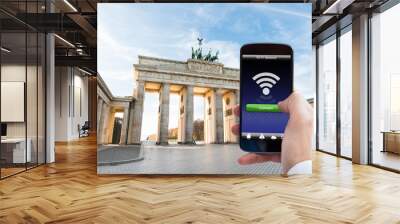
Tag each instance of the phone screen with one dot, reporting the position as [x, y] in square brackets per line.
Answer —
[265, 80]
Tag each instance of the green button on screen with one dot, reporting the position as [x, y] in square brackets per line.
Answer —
[262, 108]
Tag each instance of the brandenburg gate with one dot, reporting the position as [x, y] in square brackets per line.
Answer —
[218, 85]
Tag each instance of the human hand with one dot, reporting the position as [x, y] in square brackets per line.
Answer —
[297, 140]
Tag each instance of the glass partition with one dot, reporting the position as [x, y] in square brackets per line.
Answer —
[32, 97]
[13, 103]
[22, 77]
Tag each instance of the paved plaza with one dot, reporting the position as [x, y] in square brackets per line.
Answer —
[190, 159]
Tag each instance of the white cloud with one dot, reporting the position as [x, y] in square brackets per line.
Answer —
[210, 15]
[228, 52]
[277, 8]
[280, 32]
[303, 75]
[302, 64]
[107, 41]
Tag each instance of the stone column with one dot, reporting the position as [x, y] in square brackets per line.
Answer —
[100, 123]
[163, 116]
[219, 117]
[130, 122]
[102, 134]
[137, 113]
[124, 127]
[237, 101]
[109, 127]
[99, 106]
[188, 138]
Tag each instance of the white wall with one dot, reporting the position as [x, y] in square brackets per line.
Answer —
[81, 103]
[71, 102]
[14, 73]
[61, 103]
[33, 126]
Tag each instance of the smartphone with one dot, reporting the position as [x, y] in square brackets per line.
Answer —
[266, 77]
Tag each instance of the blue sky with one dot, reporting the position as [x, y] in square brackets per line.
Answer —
[170, 30]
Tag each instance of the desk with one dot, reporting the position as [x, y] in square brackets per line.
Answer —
[13, 150]
[391, 141]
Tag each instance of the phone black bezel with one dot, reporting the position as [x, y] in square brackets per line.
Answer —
[262, 49]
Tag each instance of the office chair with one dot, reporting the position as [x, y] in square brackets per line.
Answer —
[84, 130]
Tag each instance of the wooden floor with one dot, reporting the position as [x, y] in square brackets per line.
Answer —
[70, 191]
[8, 171]
[387, 159]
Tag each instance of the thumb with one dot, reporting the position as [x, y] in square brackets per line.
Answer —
[284, 105]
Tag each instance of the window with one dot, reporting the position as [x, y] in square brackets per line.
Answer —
[385, 89]
[227, 101]
[327, 96]
[346, 93]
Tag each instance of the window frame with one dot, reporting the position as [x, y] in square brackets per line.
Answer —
[333, 37]
[381, 9]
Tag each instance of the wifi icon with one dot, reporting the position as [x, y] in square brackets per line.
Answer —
[266, 81]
